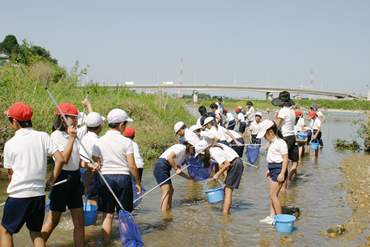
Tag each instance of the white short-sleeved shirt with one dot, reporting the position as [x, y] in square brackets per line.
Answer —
[60, 138]
[234, 133]
[112, 148]
[88, 142]
[229, 117]
[255, 127]
[319, 114]
[138, 160]
[277, 148]
[190, 134]
[209, 135]
[179, 150]
[219, 155]
[218, 113]
[241, 117]
[81, 132]
[198, 122]
[288, 116]
[316, 123]
[26, 154]
[299, 124]
[220, 107]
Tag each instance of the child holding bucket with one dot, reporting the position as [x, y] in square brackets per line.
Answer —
[69, 193]
[228, 160]
[115, 153]
[277, 158]
[316, 129]
[25, 157]
[171, 158]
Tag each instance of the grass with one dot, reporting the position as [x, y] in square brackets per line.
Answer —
[154, 115]
[344, 144]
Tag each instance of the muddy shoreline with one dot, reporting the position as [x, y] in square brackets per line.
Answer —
[356, 181]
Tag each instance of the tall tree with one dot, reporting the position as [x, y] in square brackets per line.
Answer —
[10, 45]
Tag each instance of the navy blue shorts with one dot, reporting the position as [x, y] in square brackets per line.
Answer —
[242, 126]
[309, 135]
[234, 174]
[275, 170]
[231, 125]
[18, 211]
[255, 140]
[67, 194]
[94, 184]
[237, 149]
[223, 142]
[161, 171]
[290, 141]
[318, 136]
[122, 187]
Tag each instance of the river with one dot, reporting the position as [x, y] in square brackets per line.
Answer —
[195, 222]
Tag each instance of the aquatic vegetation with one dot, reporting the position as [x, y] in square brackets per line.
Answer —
[343, 143]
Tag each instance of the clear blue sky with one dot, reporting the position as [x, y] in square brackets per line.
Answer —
[280, 41]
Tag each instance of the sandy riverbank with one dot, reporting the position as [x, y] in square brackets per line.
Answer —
[356, 181]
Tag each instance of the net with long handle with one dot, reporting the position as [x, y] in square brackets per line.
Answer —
[252, 153]
[196, 169]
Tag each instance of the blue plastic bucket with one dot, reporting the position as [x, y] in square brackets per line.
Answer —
[284, 222]
[314, 144]
[89, 212]
[214, 195]
[301, 136]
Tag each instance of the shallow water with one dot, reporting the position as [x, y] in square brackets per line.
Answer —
[195, 222]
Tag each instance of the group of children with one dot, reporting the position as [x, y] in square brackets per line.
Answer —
[119, 161]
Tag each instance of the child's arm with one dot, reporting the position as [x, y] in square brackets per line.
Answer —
[278, 122]
[10, 174]
[135, 173]
[233, 137]
[67, 152]
[59, 162]
[170, 159]
[237, 121]
[323, 119]
[299, 140]
[218, 118]
[224, 167]
[90, 174]
[87, 104]
[317, 133]
[281, 176]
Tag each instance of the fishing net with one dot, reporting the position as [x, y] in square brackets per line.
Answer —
[136, 196]
[252, 153]
[196, 169]
[129, 232]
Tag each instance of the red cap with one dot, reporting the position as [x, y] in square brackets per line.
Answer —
[225, 110]
[237, 109]
[277, 114]
[298, 113]
[67, 109]
[129, 132]
[20, 111]
[312, 114]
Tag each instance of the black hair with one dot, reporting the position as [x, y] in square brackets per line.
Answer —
[297, 118]
[249, 103]
[23, 124]
[213, 106]
[287, 104]
[202, 110]
[207, 154]
[183, 127]
[115, 125]
[130, 137]
[92, 128]
[276, 130]
[197, 130]
[188, 145]
[59, 124]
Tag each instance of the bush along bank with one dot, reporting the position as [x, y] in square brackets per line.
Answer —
[154, 115]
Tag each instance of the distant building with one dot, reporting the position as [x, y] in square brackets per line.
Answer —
[4, 58]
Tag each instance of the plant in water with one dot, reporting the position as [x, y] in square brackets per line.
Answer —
[343, 143]
[364, 131]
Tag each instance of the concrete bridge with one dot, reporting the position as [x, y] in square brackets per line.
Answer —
[267, 90]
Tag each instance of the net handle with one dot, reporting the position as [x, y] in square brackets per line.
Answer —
[79, 142]
[159, 185]
[83, 113]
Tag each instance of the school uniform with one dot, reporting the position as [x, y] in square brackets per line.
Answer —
[162, 167]
[316, 124]
[277, 149]
[26, 154]
[239, 138]
[242, 124]
[255, 128]
[250, 116]
[298, 128]
[81, 132]
[209, 135]
[189, 134]
[69, 193]
[112, 149]
[217, 112]
[88, 142]
[231, 121]
[235, 170]
[138, 160]
[287, 129]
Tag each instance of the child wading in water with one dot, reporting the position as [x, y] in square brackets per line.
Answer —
[228, 160]
[277, 158]
[25, 157]
[171, 158]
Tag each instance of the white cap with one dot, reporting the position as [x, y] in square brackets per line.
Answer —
[195, 127]
[118, 116]
[79, 118]
[177, 127]
[94, 119]
[193, 140]
[200, 147]
[208, 119]
[258, 113]
[264, 126]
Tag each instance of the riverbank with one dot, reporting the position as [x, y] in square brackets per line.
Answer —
[356, 170]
